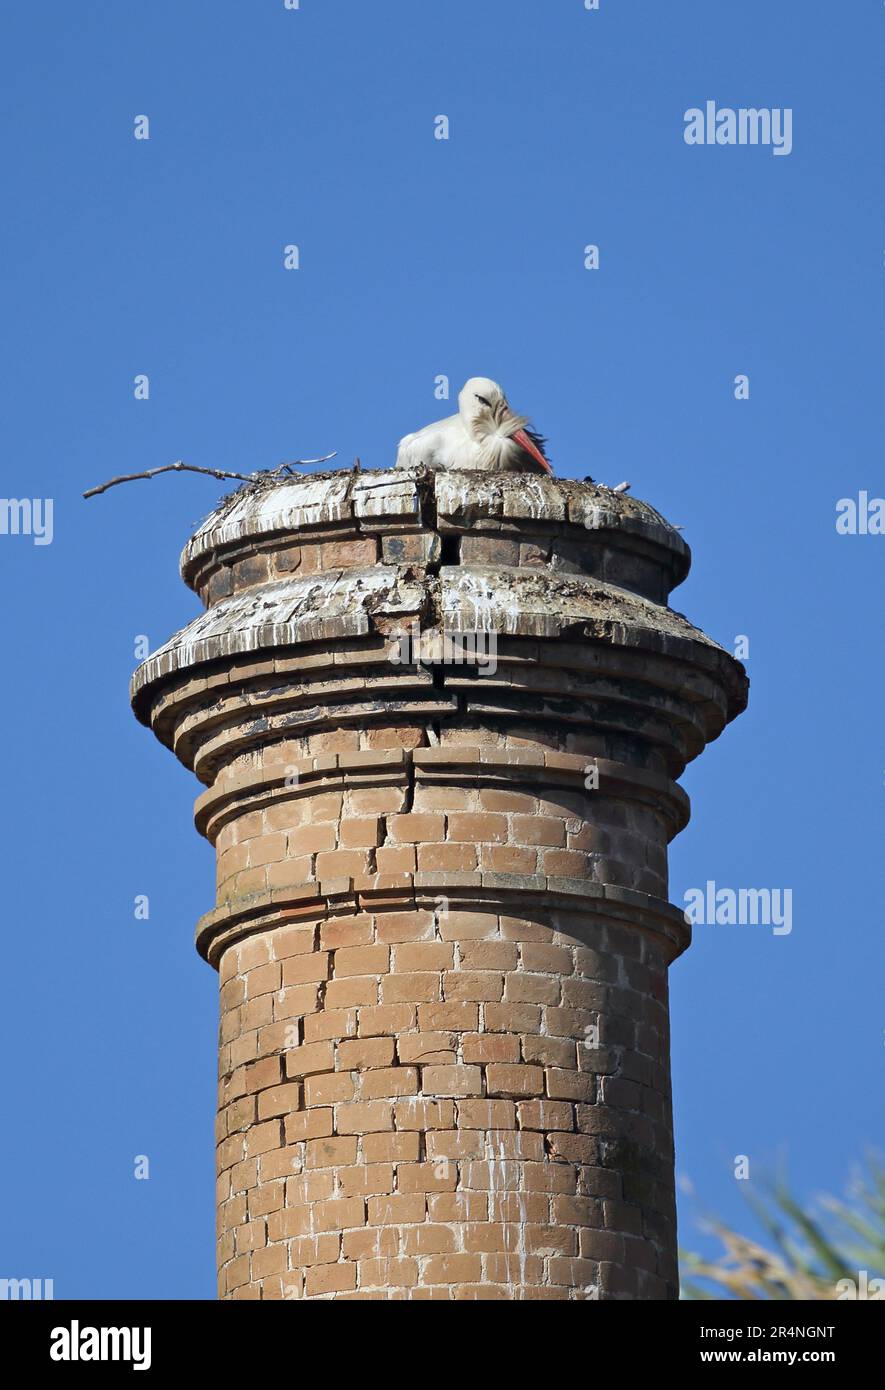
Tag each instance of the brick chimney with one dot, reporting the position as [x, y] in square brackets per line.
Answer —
[439, 718]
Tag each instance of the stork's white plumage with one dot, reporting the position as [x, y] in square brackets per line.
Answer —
[485, 434]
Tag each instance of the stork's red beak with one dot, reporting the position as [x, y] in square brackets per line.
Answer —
[525, 442]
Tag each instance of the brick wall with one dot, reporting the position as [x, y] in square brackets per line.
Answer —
[441, 927]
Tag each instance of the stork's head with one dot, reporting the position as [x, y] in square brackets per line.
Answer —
[488, 417]
[483, 406]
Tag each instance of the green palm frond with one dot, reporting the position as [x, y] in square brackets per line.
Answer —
[812, 1251]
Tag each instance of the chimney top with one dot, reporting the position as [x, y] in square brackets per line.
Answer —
[362, 557]
[453, 500]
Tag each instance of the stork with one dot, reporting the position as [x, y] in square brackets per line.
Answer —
[485, 434]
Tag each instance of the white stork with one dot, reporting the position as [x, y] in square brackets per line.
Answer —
[485, 434]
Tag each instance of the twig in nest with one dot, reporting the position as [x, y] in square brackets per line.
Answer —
[181, 467]
[303, 463]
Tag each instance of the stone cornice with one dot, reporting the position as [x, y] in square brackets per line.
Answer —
[536, 898]
[236, 793]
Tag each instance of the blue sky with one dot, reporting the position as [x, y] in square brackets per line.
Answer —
[420, 257]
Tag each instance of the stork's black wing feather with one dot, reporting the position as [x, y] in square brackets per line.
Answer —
[539, 441]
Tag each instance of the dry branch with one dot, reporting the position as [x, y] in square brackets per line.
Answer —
[181, 467]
